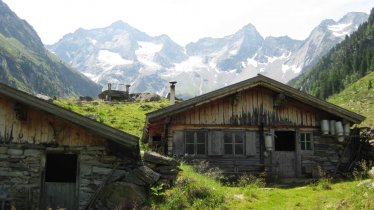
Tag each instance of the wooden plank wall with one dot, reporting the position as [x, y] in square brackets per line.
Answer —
[41, 128]
[250, 107]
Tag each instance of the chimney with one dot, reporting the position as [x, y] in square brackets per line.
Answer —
[172, 93]
[127, 88]
[108, 96]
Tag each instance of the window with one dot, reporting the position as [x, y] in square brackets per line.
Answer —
[195, 142]
[306, 141]
[233, 143]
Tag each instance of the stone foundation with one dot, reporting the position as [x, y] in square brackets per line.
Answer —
[21, 174]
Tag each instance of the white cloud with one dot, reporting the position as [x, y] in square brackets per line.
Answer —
[184, 20]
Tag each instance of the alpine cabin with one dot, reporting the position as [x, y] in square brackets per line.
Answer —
[254, 126]
[52, 158]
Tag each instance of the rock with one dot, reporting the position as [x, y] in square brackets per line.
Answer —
[32, 152]
[132, 178]
[15, 152]
[121, 195]
[103, 171]
[3, 150]
[145, 174]
[146, 97]
[371, 172]
[156, 158]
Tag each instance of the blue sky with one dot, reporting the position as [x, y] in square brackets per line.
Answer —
[184, 20]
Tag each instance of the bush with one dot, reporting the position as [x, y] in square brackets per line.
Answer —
[246, 180]
[202, 167]
[190, 193]
[362, 169]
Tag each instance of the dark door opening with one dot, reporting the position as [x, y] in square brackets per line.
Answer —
[284, 141]
[60, 183]
[61, 168]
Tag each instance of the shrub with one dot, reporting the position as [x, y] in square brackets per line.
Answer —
[362, 169]
[246, 180]
[202, 167]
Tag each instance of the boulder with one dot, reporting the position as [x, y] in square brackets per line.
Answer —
[158, 159]
[121, 195]
[143, 174]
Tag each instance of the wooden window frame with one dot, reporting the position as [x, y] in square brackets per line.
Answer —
[303, 139]
[195, 142]
[234, 143]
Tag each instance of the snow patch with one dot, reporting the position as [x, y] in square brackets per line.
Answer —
[112, 59]
[252, 62]
[146, 52]
[339, 29]
[283, 56]
[293, 68]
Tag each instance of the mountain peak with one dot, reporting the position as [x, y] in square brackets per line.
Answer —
[248, 28]
[354, 17]
[120, 25]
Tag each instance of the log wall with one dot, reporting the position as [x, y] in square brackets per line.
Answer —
[40, 127]
[251, 107]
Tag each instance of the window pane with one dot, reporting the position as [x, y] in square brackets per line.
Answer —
[190, 149]
[228, 149]
[307, 137]
[239, 149]
[239, 138]
[201, 137]
[308, 146]
[200, 149]
[227, 137]
[189, 137]
[302, 145]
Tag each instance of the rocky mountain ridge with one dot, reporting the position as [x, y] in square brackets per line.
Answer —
[121, 54]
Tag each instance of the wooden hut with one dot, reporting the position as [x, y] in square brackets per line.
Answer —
[52, 158]
[253, 126]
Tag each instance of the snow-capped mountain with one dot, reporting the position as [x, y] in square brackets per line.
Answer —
[121, 54]
[321, 40]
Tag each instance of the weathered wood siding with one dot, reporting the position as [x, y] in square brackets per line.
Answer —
[250, 107]
[326, 154]
[40, 128]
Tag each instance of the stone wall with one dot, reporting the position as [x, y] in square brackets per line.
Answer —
[104, 179]
[20, 175]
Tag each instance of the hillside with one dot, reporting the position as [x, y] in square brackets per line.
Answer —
[358, 97]
[25, 64]
[126, 116]
[349, 61]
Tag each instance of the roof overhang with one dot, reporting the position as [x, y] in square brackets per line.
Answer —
[262, 81]
[124, 139]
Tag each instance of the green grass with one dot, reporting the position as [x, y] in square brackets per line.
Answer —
[358, 98]
[126, 116]
[197, 191]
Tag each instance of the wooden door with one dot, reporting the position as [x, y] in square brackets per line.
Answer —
[59, 195]
[286, 163]
[284, 154]
[60, 183]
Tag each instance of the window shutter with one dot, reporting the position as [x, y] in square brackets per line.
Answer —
[250, 143]
[215, 143]
[178, 143]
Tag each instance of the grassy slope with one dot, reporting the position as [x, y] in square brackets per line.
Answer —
[196, 191]
[128, 117]
[358, 98]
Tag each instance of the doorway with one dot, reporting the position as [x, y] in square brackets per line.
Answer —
[285, 153]
[60, 188]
